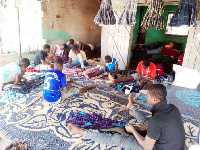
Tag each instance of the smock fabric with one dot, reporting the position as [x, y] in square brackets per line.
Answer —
[92, 121]
[186, 14]
[105, 15]
[154, 16]
[128, 15]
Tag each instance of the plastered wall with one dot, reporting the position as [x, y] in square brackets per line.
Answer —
[65, 19]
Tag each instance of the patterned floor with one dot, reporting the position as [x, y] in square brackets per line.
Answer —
[42, 125]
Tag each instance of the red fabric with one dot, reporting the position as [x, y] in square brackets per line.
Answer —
[152, 70]
[180, 59]
[169, 52]
[32, 70]
[159, 68]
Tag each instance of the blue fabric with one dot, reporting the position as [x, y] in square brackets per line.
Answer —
[186, 14]
[101, 71]
[52, 82]
[111, 66]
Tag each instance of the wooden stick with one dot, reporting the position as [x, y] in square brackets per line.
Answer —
[34, 100]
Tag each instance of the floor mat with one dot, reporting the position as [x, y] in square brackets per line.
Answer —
[43, 125]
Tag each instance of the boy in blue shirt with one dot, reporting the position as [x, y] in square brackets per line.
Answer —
[54, 79]
[111, 67]
[12, 73]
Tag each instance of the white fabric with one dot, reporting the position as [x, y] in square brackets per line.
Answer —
[186, 77]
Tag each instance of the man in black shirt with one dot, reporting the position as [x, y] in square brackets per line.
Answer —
[40, 58]
[165, 129]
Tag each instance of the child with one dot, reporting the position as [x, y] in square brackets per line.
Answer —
[54, 79]
[111, 67]
[14, 69]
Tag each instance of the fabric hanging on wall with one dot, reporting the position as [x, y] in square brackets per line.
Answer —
[92, 121]
[154, 15]
[105, 15]
[128, 15]
[186, 14]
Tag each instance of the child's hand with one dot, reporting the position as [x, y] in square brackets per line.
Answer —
[129, 128]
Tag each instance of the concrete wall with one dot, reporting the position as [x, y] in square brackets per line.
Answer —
[65, 19]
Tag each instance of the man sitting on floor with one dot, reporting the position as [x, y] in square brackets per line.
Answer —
[77, 58]
[54, 79]
[111, 67]
[13, 73]
[39, 60]
[146, 73]
[165, 129]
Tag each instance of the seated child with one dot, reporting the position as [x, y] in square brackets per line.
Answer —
[13, 73]
[146, 73]
[111, 67]
[77, 58]
[54, 79]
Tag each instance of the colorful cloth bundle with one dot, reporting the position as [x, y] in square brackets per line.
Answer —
[128, 15]
[154, 15]
[186, 14]
[90, 71]
[32, 70]
[26, 87]
[122, 86]
[105, 15]
[71, 71]
[93, 121]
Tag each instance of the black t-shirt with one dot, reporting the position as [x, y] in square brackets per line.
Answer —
[166, 127]
[40, 56]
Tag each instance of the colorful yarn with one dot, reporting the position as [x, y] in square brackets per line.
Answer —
[93, 121]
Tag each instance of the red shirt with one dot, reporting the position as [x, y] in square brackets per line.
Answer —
[148, 72]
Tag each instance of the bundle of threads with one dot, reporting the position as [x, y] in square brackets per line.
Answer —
[105, 15]
[154, 16]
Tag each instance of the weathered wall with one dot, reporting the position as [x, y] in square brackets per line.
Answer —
[65, 19]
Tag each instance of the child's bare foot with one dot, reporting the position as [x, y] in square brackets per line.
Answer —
[130, 103]
[94, 85]
[75, 130]
[110, 77]
[110, 82]
[86, 75]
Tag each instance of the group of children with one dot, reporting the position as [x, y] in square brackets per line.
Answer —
[164, 130]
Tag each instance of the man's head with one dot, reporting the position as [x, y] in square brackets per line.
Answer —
[58, 64]
[71, 41]
[146, 64]
[24, 62]
[156, 93]
[63, 47]
[75, 49]
[108, 59]
[46, 48]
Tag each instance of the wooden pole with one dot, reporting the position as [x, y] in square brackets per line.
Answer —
[20, 50]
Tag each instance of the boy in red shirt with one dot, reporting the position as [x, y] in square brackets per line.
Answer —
[146, 73]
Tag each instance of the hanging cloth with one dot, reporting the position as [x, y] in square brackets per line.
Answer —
[128, 15]
[92, 121]
[154, 16]
[186, 14]
[105, 15]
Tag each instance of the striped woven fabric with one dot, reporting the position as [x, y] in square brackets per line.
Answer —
[186, 14]
[105, 15]
[154, 15]
[128, 15]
